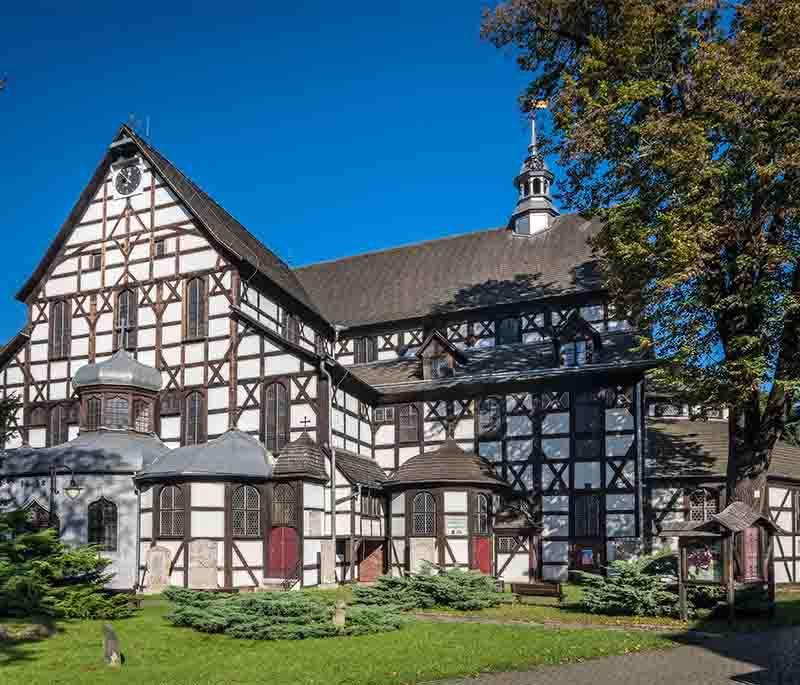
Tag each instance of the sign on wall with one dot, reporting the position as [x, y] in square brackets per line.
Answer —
[704, 561]
[456, 525]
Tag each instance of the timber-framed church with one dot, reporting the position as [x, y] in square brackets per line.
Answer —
[212, 418]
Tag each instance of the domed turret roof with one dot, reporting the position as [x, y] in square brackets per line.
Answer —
[301, 458]
[120, 369]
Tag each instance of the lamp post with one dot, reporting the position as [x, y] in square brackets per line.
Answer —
[72, 490]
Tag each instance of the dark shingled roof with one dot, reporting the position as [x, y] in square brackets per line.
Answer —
[359, 470]
[470, 271]
[448, 464]
[681, 447]
[301, 458]
[736, 517]
[100, 451]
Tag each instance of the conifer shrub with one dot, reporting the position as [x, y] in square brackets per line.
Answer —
[455, 589]
[275, 616]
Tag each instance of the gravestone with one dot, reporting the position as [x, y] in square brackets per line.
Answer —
[327, 563]
[339, 614]
[203, 564]
[112, 654]
[422, 550]
[157, 576]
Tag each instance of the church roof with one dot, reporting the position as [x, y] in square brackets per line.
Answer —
[448, 464]
[234, 454]
[359, 470]
[301, 458]
[120, 369]
[470, 271]
[680, 448]
[100, 451]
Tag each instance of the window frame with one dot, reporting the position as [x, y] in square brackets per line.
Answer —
[126, 338]
[106, 508]
[384, 419]
[199, 434]
[59, 338]
[95, 262]
[290, 505]
[426, 531]
[413, 410]
[200, 330]
[276, 437]
[365, 349]
[93, 420]
[58, 424]
[498, 430]
[290, 327]
[172, 511]
[481, 515]
[248, 512]
[499, 333]
[109, 411]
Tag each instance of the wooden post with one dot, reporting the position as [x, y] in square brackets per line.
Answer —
[770, 571]
[682, 583]
[728, 553]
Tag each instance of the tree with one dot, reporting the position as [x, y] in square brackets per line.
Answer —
[678, 121]
[9, 406]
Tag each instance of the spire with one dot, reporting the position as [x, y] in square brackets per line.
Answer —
[535, 210]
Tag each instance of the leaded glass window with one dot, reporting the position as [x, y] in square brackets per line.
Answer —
[276, 417]
[246, 510]
[126, 320]
[117, 410]
[702, 504]
[93, 413]
[284, 506]
[408, 423]
[193, 419]
[480, 523]
[490, 418]
[506, 544]
[59, 427]
[171, 514]
[103, 524]
[142, 416]
[365, 350]
[196, 310]
[291, 327]
[577, 353]
[423, 515]
[60, 329]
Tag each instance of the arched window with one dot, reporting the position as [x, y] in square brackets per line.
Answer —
[196, 314]
[59, 426]
[490, 418]
[93, 413]
[127, 307]
[246, 511]
[193, 419]
[276, 417]
[480, 520]
[284, 506]
[142, 416]
[537, 186]
[407, 423]
[103, 524]
[423, 515]
[171, 515]
[60, 329]
[117, 412]
[702, 504]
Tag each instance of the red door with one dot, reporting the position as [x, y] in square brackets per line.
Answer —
[283, 552]
[482, 554]
[752, 554]
[370, 564]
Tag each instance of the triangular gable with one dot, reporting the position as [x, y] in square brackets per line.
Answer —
[444, 343]
[576, 326]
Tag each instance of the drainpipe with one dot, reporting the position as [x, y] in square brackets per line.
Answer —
[326, 361]
[138, 492]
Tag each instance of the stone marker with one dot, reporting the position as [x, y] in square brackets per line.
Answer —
[422, 550]
[339, 614]
[111, 651]
[327, 563]
[157, 576]
[203, 565]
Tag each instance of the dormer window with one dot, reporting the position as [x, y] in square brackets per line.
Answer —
[440, 366]
[439, 357]
[577, 343]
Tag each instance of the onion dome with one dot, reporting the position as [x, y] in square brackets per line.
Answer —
[448, 464]
[119, 370]
[234, 455]
[302, 458]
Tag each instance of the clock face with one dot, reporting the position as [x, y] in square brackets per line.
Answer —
[128, 179]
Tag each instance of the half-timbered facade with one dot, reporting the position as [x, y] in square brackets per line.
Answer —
[337, 421]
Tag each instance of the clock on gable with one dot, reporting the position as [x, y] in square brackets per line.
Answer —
[128, 179]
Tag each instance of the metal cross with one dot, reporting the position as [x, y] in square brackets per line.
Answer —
[305, 422]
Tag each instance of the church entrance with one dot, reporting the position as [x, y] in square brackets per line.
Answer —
[283, 552]
[482, 554]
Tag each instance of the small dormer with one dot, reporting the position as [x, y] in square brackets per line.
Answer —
[439, 357]
[577, 343]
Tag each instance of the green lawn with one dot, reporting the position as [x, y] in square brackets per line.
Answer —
[158, 653]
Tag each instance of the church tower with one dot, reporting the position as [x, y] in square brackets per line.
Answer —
[535, 210]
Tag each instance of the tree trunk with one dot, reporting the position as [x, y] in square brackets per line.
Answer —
[748, 463]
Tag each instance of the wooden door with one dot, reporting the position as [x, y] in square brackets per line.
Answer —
[751, 555]
[283, 552]
[370, 563]
[482, 554]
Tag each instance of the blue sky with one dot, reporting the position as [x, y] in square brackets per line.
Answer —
[326, 128]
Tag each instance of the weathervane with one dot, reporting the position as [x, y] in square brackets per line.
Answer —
[538, 104]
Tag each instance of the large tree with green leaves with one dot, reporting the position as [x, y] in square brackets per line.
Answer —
[679, 122]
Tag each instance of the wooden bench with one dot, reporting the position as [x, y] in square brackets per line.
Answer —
[537, 589]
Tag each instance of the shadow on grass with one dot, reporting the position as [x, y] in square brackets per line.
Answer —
[15, 636]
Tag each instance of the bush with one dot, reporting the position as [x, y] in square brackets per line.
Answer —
[41, 575]
[462, 590]
[275, 616]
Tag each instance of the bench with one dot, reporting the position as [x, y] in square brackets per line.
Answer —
[537, 589]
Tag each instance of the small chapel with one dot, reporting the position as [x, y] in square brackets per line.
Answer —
[213, 418]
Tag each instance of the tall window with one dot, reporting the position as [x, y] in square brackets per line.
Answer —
[423, 515]
[276, 417]
[60, 329]
[480, 520]
[103, 524]
[126, 320]
[193, 419]
[93, 413]
[117, 412]
[365, 350]
[587, 516]
[407, 423]
[284, 506]
[59, 426]
[196, 310]
[246, 510]
[291, 328]
[170, 511]
[490, 418]
[702, 504]
[509, 331]
[142, 416]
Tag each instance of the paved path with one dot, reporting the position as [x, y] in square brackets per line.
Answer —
[768, 658]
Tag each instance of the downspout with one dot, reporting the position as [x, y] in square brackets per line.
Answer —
[138, 492]
[327, 360]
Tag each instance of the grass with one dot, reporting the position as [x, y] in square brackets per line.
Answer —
[550, 610]
[159, 653]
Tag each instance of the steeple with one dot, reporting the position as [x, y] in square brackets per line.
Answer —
[535, 210]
